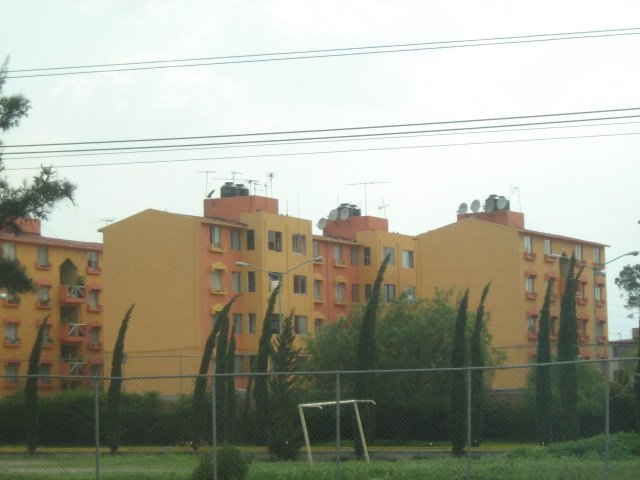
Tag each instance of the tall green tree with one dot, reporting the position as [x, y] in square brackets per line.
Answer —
[222, 367]
[568, 352]
[230, 408]
[33, 200]
[199, 410]
[477, 376]
[284, 437]
[115, 386]
[366, 358]
[458, 404]
[544, 397]
[629, 281]
[31, 390]
[261, 382]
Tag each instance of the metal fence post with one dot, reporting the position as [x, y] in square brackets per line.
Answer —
[97, 425]
[607, 439]
[337, 426]
[468, 423]
[214, 439]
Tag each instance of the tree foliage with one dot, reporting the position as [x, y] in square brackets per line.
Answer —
[115, 385]
[477, 376]
[31, 390]
[457, 398]
[543, 373]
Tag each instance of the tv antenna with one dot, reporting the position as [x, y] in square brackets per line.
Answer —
[365, 191]
[513, 188]
[383, 208]
[233, 175]
[206, 181]
[253, 183]
[270, 176]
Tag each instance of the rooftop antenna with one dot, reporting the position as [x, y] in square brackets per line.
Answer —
[233, 175]
[365, 191]
[270, 176]
[206, 180]
[383, 207]
[513, 188]
[253, 183]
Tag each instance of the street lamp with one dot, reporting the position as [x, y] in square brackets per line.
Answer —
[596, 271]
[280, 275]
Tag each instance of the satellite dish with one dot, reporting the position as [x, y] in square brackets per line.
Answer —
[462, 208]
[475, 206]
[489, 205]
[333, 215]
[344, 213]
[502, 203]
[322, 223]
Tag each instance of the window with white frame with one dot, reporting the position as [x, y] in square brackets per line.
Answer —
[236, 282]
[340, 292]
[300, 284]
[215, 236]
[316, 248]
[600, 329]
[215, 279]
[237, 323]
[338, 256]
[253, 323]
[11, 333]
[392, 255]
[93, 299]
[236, 245]
[597, 258]
[300, 324]
[43, 294]
[578, 252]
[531, 325]
[528, 245]
[42, 256]
[94, 336]
[599, 293]
[389, 292]
[530, 284]
[9, 251]
[92, 261]
[317, 289]
[299, 243]
[407, 258]
[274, 240]
[548, 246]
[11, 372]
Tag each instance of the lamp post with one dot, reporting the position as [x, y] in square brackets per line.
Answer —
[596, 271]
[280, 276]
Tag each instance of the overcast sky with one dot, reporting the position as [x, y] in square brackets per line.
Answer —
[575, 181]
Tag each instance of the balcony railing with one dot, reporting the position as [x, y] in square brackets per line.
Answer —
[73, 332]
[72, 294]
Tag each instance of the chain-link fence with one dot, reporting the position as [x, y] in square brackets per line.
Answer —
[378, 424]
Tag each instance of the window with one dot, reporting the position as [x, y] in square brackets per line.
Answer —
[215, 237]
[596, 255]
[530, 284]
[299, 243]
[274, 241]
[11, 372]
[12, 298]
[410, 293]
[367, 292]
[252, 362]
[553, 326]
[340, 292]
[43, 294]
[236, 282]
[366, 252]
[216, 280]
[9, 251]
[599, 293]
[300, 324]
[47, 340]
[93, 300]
[528, 245]
[355, 293]
[92, 261]
[237, 323]
[578, 252]
[317, 325]
[392, 254]
[251, 281]
[337, 254]
[45, 373]
[235, 239]
[253, 324]
[531, 326]
[389, 292]
[251, 239]
[11, 334]
[548, 246]
[316, 248]
[94, 336]
[354, 255]
[276, 324]
[238, 364]
[274, 280]
[300, 284]
[407, 258]
[42, 257]
[317, 290]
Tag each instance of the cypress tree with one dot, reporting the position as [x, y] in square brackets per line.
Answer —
[543, 374]
[222, 350]
[115, 386]
[457, 409]
[568, 352]
[31, 390]
[260, 383]
[199, 402]
[229, 420]
[365, 359]
[477, 376]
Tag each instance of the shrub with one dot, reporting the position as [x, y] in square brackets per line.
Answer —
[231, 465]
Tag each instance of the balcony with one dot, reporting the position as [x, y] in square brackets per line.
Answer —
[73, 332]
[72, 370]
[72, 294]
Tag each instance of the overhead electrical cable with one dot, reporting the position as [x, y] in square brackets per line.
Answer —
[326, 152]
[333, 137]
[310, 54]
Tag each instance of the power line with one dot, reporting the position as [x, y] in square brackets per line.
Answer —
[325, 130]
[323, 53]
[326, 152]
[362, 136]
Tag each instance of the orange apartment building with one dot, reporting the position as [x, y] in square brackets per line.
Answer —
[68, 282]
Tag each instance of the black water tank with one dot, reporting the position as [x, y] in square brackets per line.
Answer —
[242, 190]
[228, 190]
